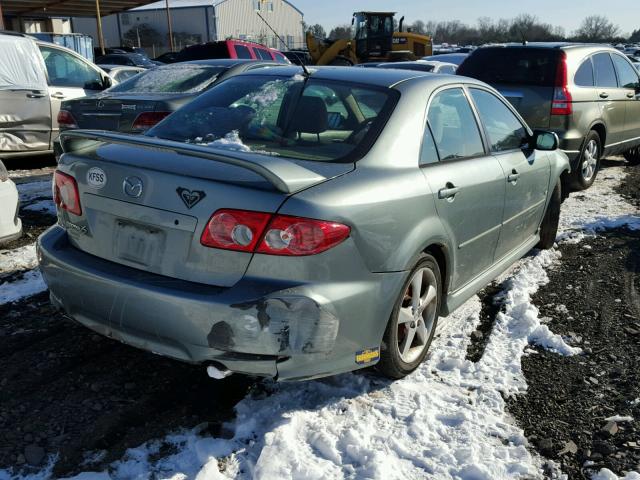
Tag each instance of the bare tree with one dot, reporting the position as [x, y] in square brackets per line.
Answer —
[143, 35]
[597, 28]
[418, 27]
[317, 31]
[340, 32]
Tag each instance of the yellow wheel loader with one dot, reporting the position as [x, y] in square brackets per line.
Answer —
[374, 40]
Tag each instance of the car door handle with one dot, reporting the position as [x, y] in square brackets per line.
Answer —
[513, 178]
[35, 95]
[604, 95]
[58, 95]
[631, 95]
[448, 192]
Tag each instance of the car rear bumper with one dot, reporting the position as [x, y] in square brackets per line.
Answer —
[268, 328]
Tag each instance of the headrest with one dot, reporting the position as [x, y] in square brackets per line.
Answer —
[310, 116]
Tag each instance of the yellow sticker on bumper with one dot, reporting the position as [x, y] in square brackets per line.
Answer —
[367, 356]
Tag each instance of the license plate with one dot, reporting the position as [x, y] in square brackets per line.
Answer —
[139, 243]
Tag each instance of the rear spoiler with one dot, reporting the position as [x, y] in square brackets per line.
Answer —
[286, 176]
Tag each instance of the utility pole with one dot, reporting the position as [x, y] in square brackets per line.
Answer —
[171, 48]
[99, 23]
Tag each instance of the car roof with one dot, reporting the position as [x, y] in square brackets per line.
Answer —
[549, 45]
[224, 62]
[380, 77]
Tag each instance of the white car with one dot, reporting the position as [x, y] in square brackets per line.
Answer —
[10, 224]
[423, 66]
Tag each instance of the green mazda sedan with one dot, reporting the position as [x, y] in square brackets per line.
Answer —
[296, 224]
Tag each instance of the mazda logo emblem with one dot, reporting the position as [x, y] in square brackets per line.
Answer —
[132, 186]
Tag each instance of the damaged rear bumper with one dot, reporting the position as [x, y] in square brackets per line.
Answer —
[258, 326]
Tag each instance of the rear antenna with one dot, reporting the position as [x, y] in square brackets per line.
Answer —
[306, 71]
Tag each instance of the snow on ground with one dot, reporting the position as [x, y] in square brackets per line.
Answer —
[34, 191]
[22, 258]
[28, 284]
[37, 196]
[583, 213]
[447, 420]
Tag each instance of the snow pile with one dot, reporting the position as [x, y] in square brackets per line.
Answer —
[606, 474]
[231, 141]
[23, 258]
[619, 418]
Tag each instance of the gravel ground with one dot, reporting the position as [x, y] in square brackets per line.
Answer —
[65, 390]
[593, 300]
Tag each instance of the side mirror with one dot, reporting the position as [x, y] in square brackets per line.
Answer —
[107, 82]
[545, 140]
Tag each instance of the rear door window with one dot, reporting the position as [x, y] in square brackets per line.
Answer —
[280, 58]
[605, 74]
[242, 51]
[503, 128]
[511, 65]
[263, 54]
[584, 75]
[454, 126]
[627, 75]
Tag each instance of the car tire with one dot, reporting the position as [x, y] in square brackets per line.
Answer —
[549, 225]
[632, 156]
[586, 170]
[410, 332]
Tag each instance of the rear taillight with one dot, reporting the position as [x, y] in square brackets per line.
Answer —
[66, 120]
[271, 234]
[562, 101]
[146, 120]
[65, 193]
[301, 236]
[235, 230]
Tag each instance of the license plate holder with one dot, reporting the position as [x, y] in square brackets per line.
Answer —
[138, 243]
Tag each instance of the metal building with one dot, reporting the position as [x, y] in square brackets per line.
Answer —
[197, 21]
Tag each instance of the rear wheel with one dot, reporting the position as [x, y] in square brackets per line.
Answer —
[413, 321]
[587, 169]
[633, 156]
[549, 226]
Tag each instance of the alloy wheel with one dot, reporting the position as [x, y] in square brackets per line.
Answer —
[417, 315]
[590, 160]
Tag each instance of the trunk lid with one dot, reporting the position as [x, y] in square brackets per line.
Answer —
[147, 207]
[119, 112]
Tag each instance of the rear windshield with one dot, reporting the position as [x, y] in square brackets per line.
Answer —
[420, 67]
[521, 66]
[294, 117]
[171, 79]
[204, 51]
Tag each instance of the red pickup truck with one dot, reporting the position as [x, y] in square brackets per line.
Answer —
[230, 49]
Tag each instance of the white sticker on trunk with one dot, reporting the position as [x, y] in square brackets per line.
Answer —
[96, 177]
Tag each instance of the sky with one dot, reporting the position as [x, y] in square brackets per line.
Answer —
[565, 13]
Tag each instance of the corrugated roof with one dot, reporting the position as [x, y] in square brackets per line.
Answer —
[67, 8]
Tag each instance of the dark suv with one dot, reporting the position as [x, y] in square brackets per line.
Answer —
[588, 94]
